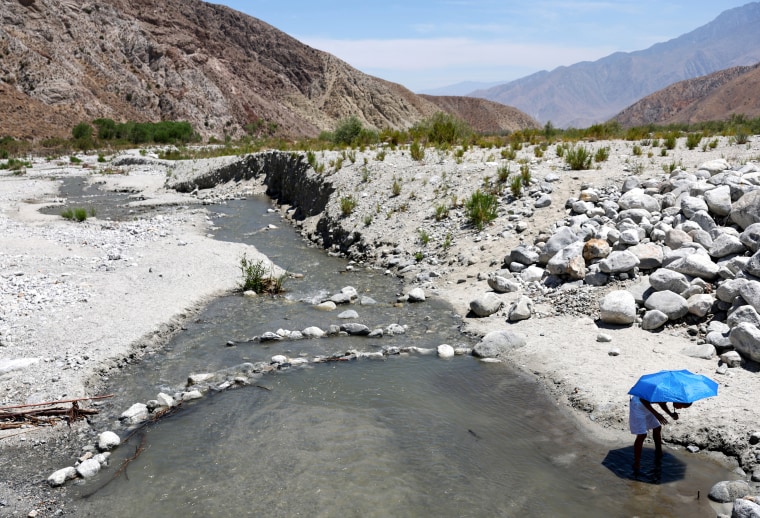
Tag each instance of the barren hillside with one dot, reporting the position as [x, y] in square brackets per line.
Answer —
[715, 96]
[63, 61]
[482, 115]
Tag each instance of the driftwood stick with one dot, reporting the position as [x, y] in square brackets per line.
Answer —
[48, 403]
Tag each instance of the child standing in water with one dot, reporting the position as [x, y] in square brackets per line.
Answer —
[642, 418]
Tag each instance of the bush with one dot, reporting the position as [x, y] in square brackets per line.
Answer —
[693, 140]
[78, 214]
[347, 205]
[396, 187]
[502, 173]
[442, 128]
[481, 208]
[525, 176]
[578, 158]
[255, 278]
[516, 186]
[670, 141]
[82, 131]
[417, 151]
[602, 154]
[441, 211]
[347, 131]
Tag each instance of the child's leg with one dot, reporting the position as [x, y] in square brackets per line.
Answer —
[657, 436]
[638, 445]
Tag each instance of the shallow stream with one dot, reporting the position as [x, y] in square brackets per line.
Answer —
[409, 435]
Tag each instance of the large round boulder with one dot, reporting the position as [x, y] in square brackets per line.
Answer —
[498, 343]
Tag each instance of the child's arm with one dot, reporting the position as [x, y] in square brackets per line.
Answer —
[660, 418]
[672, 414]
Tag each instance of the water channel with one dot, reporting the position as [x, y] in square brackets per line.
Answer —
[405, 436]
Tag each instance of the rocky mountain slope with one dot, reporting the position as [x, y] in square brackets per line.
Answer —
[62, 62]
[589, 92]
[483, 115]
[715, 96]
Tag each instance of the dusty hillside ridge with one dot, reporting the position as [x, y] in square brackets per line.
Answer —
[65, 286]
[716, 96]
[226, 73]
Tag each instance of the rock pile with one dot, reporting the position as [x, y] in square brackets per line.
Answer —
[691, 238]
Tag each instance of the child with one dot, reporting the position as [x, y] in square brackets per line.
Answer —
[642, 418]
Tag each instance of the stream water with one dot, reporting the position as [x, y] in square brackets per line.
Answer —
[406, 436]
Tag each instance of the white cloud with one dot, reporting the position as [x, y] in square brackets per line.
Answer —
[431, 54]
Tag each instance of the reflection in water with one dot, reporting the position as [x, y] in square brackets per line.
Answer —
[404, 436]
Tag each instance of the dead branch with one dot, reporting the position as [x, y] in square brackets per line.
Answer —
[48, 403]
[38, 416]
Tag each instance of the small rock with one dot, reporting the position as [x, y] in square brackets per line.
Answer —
[108, 440]
[416, 295]
[445, 351]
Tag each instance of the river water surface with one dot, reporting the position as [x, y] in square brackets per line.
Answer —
[405, 436]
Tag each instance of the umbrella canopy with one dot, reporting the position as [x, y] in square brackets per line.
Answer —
[674, 387]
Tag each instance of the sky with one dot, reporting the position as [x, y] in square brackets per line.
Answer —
[429, 44]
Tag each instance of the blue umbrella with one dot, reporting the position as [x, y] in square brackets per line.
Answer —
[674, 387]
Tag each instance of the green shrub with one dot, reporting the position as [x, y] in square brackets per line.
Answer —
[441, 211]
[508, 153]
[82, 131]
[636, 151]
[578, 158]
[442, 128]
[77, 214]
[380, 156]
[419, 256]
[602, 154]
[741, 136]
[347, 131]
[693, 140]
[367, 220]
[481, 208]
[670, 141]
[447, 241]
[417, 151]
[396, 187]
[255, 277]
[347, 205]
[424, 237]
[516, 186]
[525, 177]
[502, 173]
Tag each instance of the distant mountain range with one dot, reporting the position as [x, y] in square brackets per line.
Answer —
[66, 61]
[589, 92]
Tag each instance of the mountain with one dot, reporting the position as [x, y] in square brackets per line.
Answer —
[482, 115]
[590, 92]
[66, 61]
[463, 88]
[715, 96]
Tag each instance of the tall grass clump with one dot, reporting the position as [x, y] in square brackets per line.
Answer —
[417, 151]
[75, 214]
[693, 140]
[481, 208]
[256, 278]
[347, 205]
[578, 158]
[602, 154]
